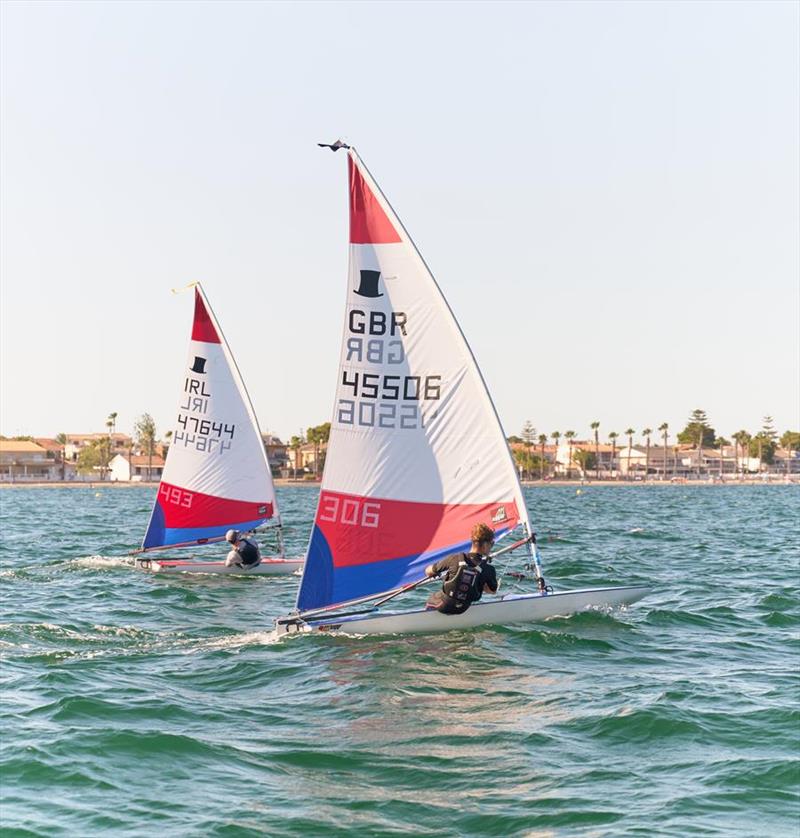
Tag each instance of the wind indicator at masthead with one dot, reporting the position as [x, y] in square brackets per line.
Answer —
[334, 146]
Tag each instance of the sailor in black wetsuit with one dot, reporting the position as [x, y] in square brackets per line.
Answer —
[245, 552]
[467, 575]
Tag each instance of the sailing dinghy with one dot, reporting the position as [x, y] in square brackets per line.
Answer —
[216, 477]
[416, 454]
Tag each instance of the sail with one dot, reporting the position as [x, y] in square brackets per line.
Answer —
[416, 454]
[216, 476]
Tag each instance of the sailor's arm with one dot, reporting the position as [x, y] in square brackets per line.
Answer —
[434, 569]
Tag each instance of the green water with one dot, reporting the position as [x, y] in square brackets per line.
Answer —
[137, 705]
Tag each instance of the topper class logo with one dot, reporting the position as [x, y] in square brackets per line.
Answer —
[199, 365]
[500, 515]
[368, 284]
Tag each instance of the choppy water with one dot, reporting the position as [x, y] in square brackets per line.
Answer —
[139, 705]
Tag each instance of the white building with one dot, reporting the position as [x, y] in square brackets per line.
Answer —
[125, 468]
[120, 444]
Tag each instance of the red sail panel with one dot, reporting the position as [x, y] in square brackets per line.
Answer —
[203, 327]
[187, 508]
[369, 224]
[361, 530]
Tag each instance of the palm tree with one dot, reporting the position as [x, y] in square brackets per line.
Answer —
[595, 426]
[742, 439]
[542, 441]
[759, 438]
[61, 439]
[629, 433]
[664, 427]
[646, 434]
[311, 436]
[528, 435]
[109, 425]
[722, 442]
[556, 435]
[295, 443]
[613, 437]
[569, 436]
[145, 431]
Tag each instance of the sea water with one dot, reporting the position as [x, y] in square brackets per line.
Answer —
[144, 705]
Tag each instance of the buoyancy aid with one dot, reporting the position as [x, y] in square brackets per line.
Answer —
[462, 589]
[248, 552]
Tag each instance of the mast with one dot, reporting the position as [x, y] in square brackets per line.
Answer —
[247, 401]
[417, 453]
[524, 517]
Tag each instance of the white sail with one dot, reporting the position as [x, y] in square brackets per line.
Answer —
[416, 454]
[217, 475]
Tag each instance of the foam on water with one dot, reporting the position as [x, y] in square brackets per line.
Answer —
[101, 562]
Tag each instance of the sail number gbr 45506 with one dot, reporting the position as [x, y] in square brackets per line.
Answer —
[382, 399]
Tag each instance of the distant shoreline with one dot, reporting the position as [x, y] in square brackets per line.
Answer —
[778, 480]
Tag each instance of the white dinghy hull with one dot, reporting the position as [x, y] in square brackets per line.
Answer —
[267, 567]
[510, 610]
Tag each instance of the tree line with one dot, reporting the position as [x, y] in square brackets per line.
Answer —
[317, 435]
[530, 459]
[698, 432]
[97, 455]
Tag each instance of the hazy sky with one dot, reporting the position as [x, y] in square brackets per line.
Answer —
[607, 194]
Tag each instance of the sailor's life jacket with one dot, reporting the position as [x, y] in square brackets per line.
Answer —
[248, 552]
[462, 589]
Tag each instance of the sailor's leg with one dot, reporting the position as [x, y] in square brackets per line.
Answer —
[435, 601]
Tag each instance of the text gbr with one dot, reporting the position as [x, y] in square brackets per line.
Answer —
[381, 400]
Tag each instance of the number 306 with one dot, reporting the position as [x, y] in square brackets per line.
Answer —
[354, 513]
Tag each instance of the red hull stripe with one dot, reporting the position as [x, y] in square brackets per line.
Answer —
[369, 224]
[202, 328]
[184, 509]
[361, 530]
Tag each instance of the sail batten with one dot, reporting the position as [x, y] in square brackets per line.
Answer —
[416, 454]
[216, 475]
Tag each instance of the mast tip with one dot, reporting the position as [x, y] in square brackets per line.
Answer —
[185, 287]
[334, 146]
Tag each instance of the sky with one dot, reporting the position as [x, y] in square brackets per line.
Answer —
[607, 193]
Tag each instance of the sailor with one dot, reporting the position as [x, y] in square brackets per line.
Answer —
[467, 575]
[245, 552]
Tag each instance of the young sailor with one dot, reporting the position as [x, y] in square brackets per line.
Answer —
[467, 575]
[245, 552]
